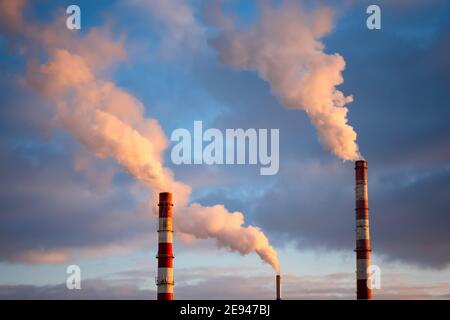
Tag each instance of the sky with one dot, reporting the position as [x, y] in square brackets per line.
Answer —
[86, 118]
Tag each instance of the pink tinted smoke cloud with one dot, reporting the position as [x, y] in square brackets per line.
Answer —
[109, 122]
[284, 48]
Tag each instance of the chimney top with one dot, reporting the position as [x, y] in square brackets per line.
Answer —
[360, 163]
[165, 197]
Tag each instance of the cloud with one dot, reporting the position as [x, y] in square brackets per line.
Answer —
[50, 214]
[203, 284]
[315, 214]
[92, 289]
[402, 124]
[182, 31]
[11, 14]
[103, 133]
[284, 47]
[410, 218]
[408, 212]
[110, 123]
[400, 115]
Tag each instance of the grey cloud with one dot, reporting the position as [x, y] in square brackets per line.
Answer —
[45, 205]
[127, 285]
[400, 84]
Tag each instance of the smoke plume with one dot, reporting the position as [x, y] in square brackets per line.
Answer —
[284, 48]
[109, 122]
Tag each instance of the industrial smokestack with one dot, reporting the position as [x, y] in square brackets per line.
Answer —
[165, 281]
[363, 291]
[278, 284]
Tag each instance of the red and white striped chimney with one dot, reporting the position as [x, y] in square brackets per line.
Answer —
[165, 280]
[363, 291]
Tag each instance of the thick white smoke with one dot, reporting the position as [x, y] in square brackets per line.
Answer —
[284, 47]
[110, 123]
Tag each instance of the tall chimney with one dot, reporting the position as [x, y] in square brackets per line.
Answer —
[362, 232]
[278, 284]
[165, 281]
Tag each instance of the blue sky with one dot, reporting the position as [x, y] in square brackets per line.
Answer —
[398, 76]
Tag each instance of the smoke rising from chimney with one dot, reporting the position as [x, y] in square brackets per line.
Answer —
[110, 123]
[284, 48]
